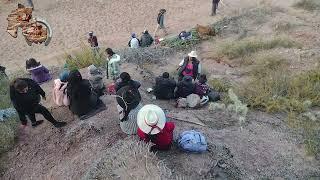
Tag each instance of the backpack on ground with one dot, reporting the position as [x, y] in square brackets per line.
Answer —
[192, 141]
[214, 96]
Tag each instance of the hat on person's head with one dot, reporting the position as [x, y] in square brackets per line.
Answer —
[193, 54]
[133, 35]
[93, 70]
[128, 97]
[151, 119]
[91, 33]
[145, 31]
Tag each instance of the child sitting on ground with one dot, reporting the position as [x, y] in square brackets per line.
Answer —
[202, 89]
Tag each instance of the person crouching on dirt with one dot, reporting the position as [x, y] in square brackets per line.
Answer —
[39, 73]
[82, 98]
[112, 65]
[165, 86]
[153, 127]
[160, 22]
[96, 80]
[202, 89]
[185, 87]
[93, 41]
[189, 66]
[125, 80]
[128, 99]
[134, 41]
[146, 40]
[25, 97]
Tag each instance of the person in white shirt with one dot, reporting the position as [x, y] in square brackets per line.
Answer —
[134, 41]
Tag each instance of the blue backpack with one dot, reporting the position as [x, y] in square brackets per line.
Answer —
[192, 141]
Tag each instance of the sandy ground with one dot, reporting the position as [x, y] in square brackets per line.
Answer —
[112, 21]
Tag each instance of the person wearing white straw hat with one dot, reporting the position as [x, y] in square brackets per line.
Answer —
[153, 127]
[189, 66]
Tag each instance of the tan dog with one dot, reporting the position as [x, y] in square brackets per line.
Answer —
[204, 31]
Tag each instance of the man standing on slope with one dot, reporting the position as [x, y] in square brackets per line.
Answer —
[93, 41]
[160, 21]
[214, 7]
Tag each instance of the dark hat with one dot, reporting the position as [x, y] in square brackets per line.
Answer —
[128, 97]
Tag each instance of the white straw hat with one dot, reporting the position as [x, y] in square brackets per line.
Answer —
[193, 54]
[151, 119]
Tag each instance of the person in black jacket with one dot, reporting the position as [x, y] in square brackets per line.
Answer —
[146, 40]
[25, 97]
[125, 80]
[3, 72]
[164, 88]
[81, 95]
[185, 87]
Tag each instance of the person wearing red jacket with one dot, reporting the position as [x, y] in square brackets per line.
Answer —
[153, 127]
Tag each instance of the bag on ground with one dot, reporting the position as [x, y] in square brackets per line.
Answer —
[192, 141]
[214, 96]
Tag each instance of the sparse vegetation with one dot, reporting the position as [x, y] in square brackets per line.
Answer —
[84, 58]
[309, 5]
[178, 44]
[8, 127]
[220, 85]
[283, 26]
[129, 159]
[248, 46]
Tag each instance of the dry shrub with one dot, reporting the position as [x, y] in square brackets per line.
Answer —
[283, 26]
[84, 58]
[177, 44]
[274, 88]
[220, 85]
[249, 46]
[309, 5]
[129, 159]
[147, 55]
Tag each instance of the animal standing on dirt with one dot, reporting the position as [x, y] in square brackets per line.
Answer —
[39, 73]
[189, 66]
[134, 41]
[146, 39]
[93, 41]
[128, 99]
[153, 127]
[215, 4]
[160, 22]
[112, 64]
[25, 97]
[165, 86]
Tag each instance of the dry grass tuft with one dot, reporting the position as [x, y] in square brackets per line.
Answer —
[129, 159]
[309, 5]
[249, 46]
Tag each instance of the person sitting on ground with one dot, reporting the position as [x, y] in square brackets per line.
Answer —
[59, 93]
[125, 80]
[39, 73]
[134, 41]
[185, 87]
[82, 98]
[202, 89]
[64, 75]
[96, 80]
[113, 64]
[146, 40]
[189, 66]
[128, 99]
[153, 127]
[3, 72]
[25, 97]
[165, 86]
